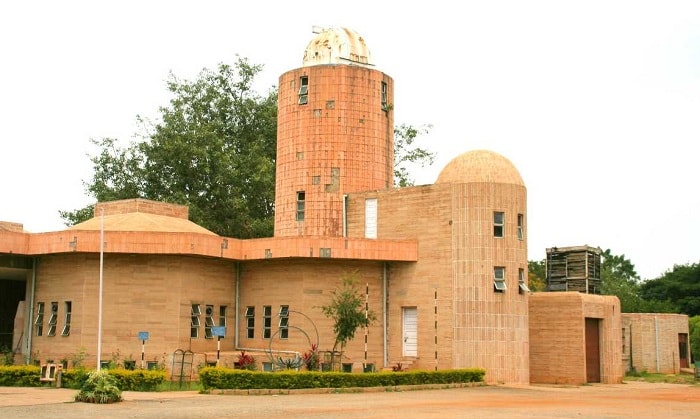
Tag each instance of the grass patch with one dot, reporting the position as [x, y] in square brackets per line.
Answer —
[663, 378]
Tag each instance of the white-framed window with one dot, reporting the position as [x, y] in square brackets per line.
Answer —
[195, 323]
[301, 205]
[53, 320]
[250, 322]
[284, 322]
[371, 218]
[521, 226]
[39, 322]
[208, 322]
[303, 90]
[499, 278]
[267, 322]
[498, 223]
[66, 319]
[522, 282]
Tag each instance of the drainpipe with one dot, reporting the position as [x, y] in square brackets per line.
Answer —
[28, 355]
[656, 336]
[237, 301]
[345, 215]
[384, 315]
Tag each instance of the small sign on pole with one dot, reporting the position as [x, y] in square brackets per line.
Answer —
[143, 337]
[219, 332]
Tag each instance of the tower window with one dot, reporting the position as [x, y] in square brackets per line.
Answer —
[194, 323]
[209, 322]
[521, 222]
[267, 322]
[284, 322]
[385, 96]
[39, 322]
[498, 224]
[301, 205]
[522, 283]
[53, 320]
[304, 90]
[499, 278]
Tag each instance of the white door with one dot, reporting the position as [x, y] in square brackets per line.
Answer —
[410, 331]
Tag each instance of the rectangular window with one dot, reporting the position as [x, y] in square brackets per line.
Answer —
[66, 322]
[267, 322]
[522, 282]
[39, 322]
[301, 205]
[371, 218]
[208, 322]
[250, 322]
[194, 324]
[498, 224]
[53, 320]
[284, 322]
[499, 278]
[304, 90]
[521, 221]
[385, 96]
[222, 316]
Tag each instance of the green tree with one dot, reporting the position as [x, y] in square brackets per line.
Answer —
[537, 275]
[619, 278]
[213, 150]
[679, 287]
[407, 154]
[694, 325]
[347, 309]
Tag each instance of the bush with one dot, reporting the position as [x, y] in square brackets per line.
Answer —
[226, 378]
[100, 387]
[20, 376]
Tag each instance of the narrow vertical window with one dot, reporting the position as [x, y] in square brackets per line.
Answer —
[39, 322]
[66, 321]
[194, 324]
[520, 226]
[499, 278]
[208, 322]
[385, 96]
[250, 322]
[284, 322]
[267, 322]
[371, 218]
[498, 224]
[522, 282]
[301, 205]
[222, 316]
[303, 90]
[53, 320]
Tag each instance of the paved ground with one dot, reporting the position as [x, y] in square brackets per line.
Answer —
[632, 400]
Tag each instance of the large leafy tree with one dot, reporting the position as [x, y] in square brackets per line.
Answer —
[694, 326]
[213, 150]
[679, 287]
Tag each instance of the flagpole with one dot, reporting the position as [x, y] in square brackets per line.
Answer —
[99, 303]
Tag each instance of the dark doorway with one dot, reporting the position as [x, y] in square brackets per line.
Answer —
[592, 350]
[11, 293]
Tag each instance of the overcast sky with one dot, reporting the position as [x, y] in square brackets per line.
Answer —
[597, 103]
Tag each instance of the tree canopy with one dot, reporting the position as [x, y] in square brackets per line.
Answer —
[214, 150]
[679, 288]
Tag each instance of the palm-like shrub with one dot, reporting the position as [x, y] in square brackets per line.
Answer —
[100, 387]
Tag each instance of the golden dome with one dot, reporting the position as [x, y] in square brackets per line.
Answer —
[480, 166]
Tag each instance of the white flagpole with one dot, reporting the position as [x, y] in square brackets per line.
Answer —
[99, 303]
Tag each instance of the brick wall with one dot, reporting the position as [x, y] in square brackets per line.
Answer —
[653, 338]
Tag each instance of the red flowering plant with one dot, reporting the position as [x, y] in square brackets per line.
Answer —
[245, 361]
[311, 359]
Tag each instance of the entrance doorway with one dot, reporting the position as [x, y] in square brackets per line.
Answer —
[592, 350]
[410, 331]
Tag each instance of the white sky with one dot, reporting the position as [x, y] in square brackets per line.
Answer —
[597, 103]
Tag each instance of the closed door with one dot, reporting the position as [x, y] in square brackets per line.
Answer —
[683, 350]
[410, 331]
[592, 350]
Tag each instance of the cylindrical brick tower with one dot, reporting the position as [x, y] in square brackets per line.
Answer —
[335, 134]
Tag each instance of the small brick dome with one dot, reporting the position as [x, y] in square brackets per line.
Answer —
[337, 46]
[480, 166]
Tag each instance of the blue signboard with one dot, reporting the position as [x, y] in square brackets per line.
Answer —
[218, 331]
[143, 335]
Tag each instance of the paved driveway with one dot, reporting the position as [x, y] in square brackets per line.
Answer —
[632, 400]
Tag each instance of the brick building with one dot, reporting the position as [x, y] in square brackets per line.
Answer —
[655, 342]
[444, 266]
